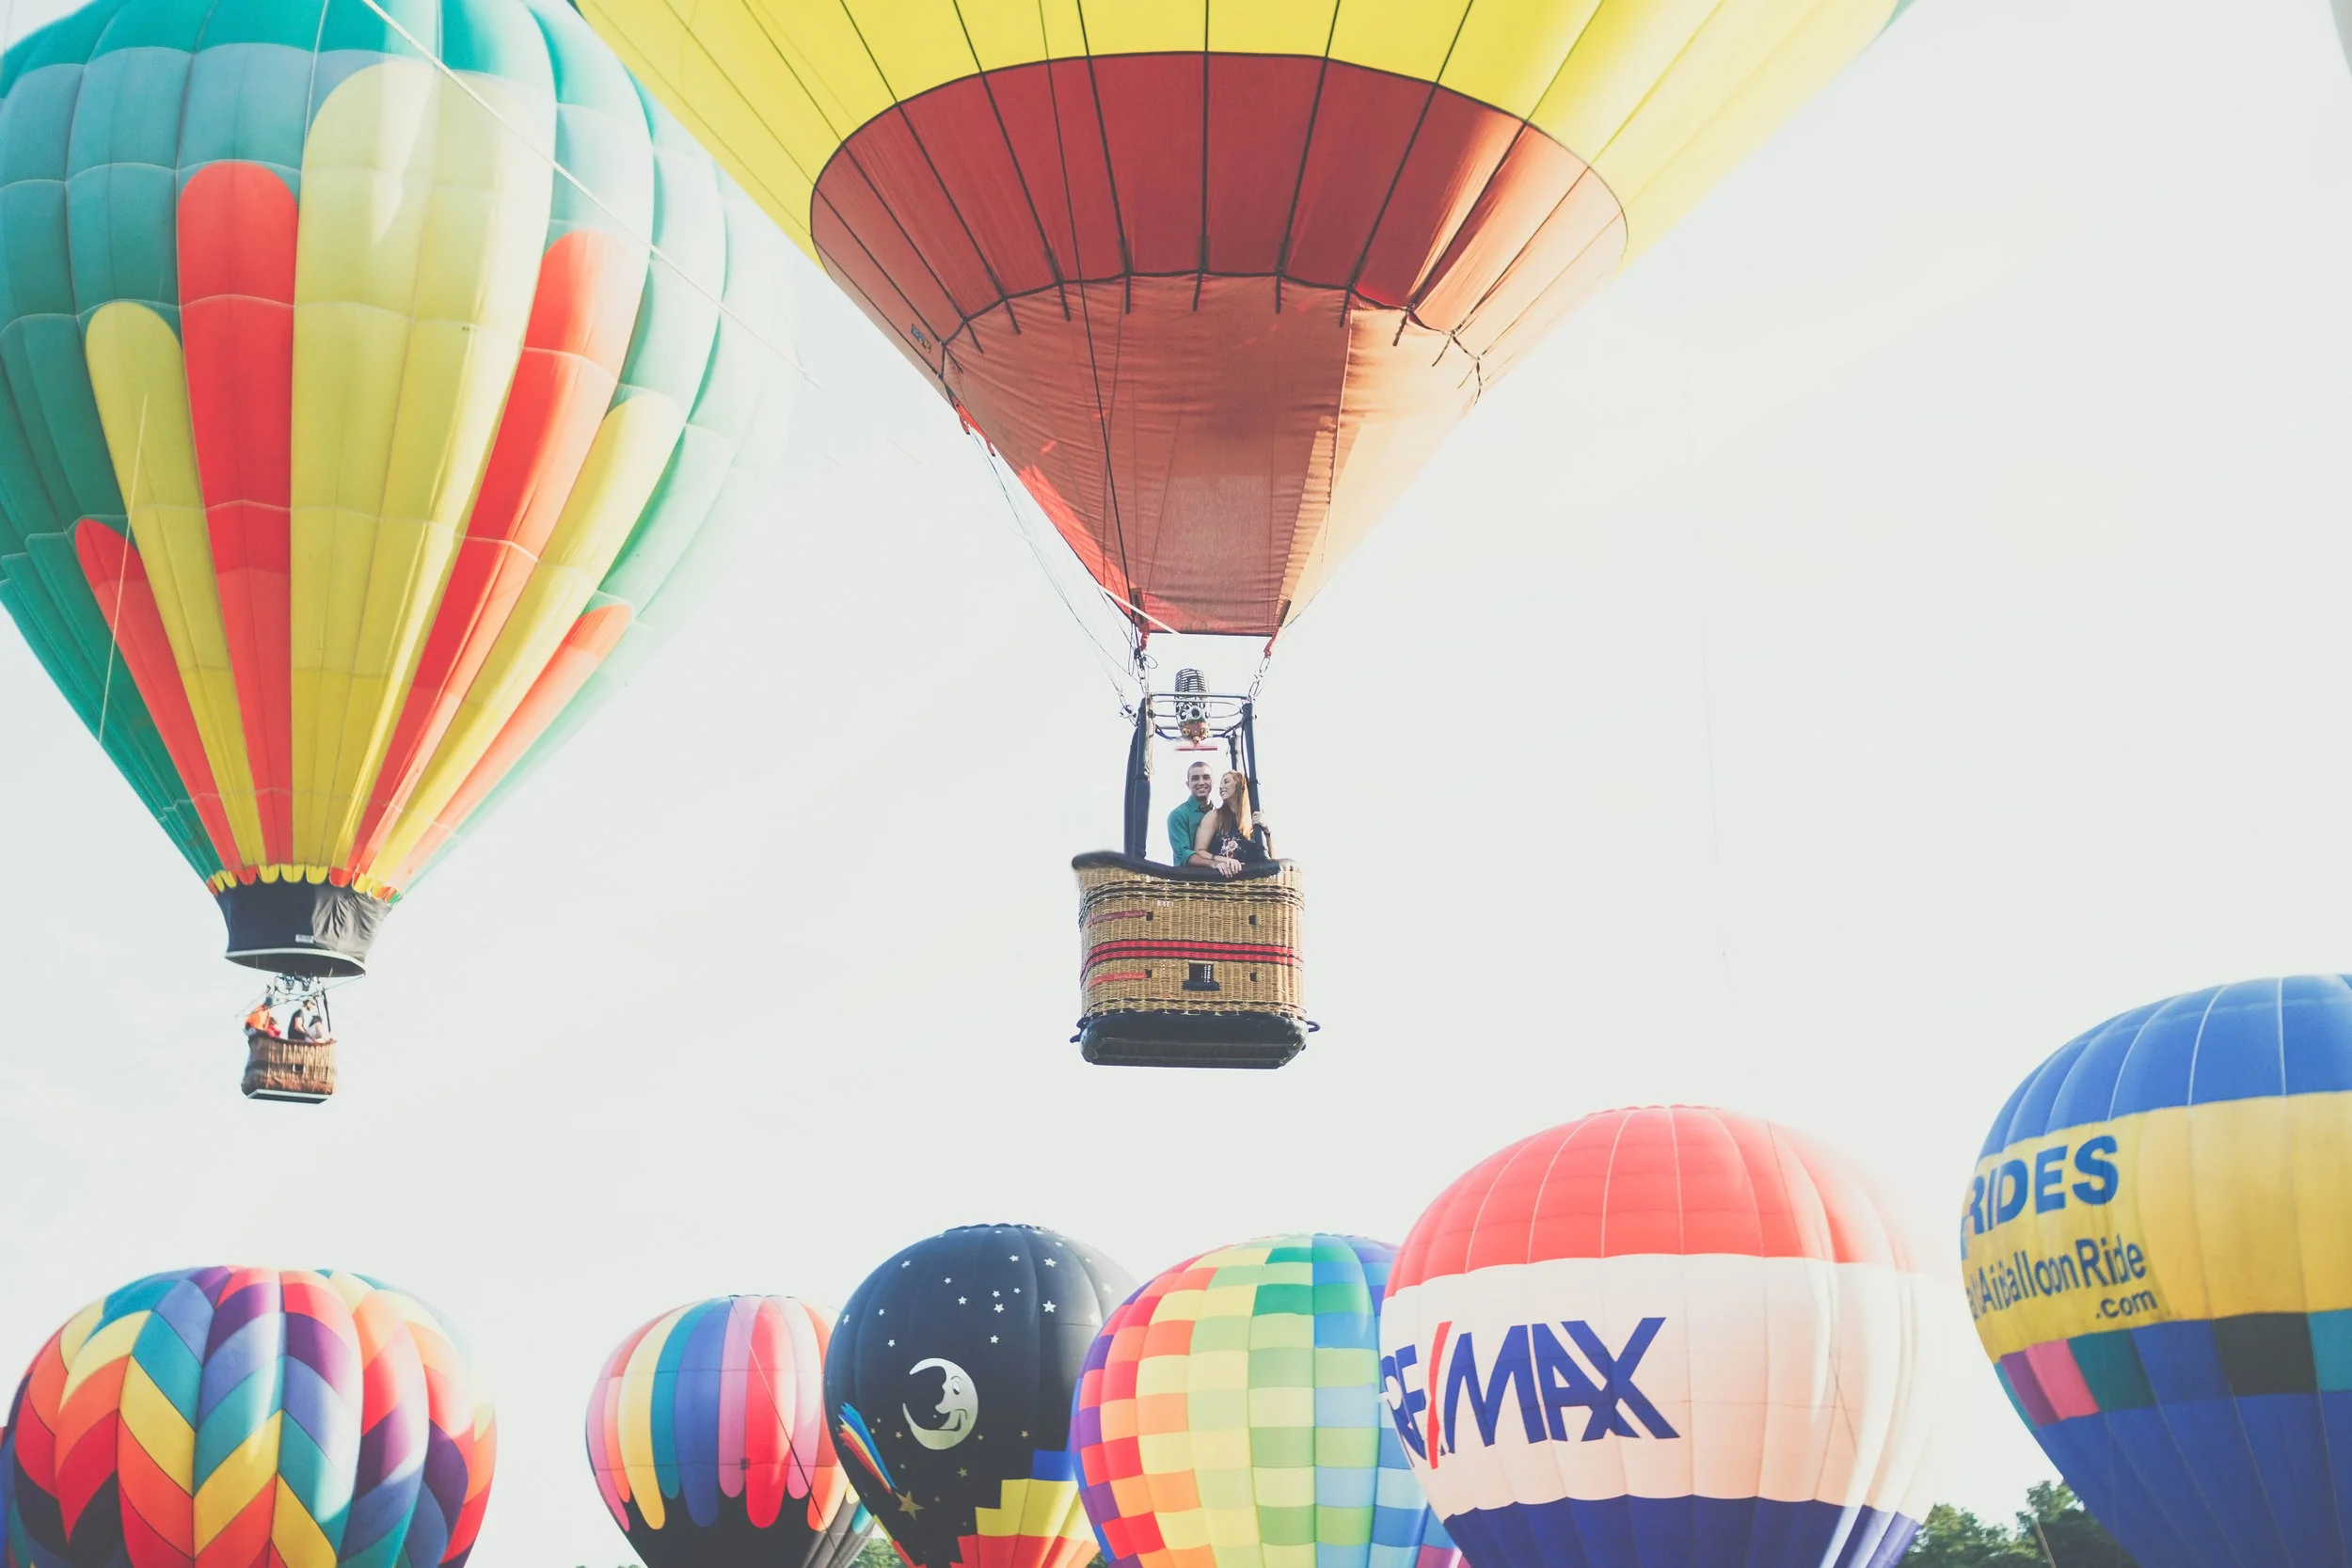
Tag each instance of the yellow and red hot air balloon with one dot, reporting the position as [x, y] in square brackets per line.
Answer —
[344, 438]
[1216, 281]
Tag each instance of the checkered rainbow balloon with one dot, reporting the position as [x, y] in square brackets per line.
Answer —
[235, 1415]
[1229, 1418]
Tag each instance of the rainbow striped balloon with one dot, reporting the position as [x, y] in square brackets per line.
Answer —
[224, 1416]
[707, 1433]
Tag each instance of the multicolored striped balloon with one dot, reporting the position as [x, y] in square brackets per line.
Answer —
[225, 1417]
[2158, 1253]
[707, 1433]
[1229, 1418]
[1669, 1337]
[343, 438]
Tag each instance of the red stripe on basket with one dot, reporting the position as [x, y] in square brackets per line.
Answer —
[1229, 952]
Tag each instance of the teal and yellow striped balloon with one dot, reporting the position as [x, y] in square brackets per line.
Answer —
[1231, 1416]
[226, 1418]
[368, 369]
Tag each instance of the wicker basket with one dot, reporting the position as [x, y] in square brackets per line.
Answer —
[1188, 969]
[301, 1071]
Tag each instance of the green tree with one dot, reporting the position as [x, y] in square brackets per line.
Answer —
[2053, 1530]
[2074, 1539]
[1955, 1537]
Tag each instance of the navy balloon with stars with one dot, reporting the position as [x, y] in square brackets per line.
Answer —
[948, 1386]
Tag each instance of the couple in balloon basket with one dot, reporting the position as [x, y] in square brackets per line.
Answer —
[1224, 837]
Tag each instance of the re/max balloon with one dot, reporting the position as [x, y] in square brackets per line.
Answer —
[230, 1415]
[949, 1382]
[1216, 279]
[1231, 1418]
[2157, 1246]
[707, 1433]
[343, 439]
[1670, 1337]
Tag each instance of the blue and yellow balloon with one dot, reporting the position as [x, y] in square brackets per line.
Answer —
[2157, 1246]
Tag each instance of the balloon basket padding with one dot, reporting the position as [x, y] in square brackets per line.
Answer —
[1233, 1041]
[298, 1072]
[1180, 967]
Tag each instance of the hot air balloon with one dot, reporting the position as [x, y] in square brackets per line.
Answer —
[1215, 280]
[1667, 1338]
[2158, 1246]
[707, 1433]
[230, 1415]
[344, 436]
[949, 1382]
[1230, 1415]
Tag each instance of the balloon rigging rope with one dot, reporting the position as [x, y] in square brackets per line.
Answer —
[601, 205]
[1019, 527]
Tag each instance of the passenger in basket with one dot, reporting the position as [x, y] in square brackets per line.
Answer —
[261, 1021]
[308, 1024]
[1232, 837]
[1183, 823]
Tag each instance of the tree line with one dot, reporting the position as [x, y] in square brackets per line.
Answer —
[2053, 1531]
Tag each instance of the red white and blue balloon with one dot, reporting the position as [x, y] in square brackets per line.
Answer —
[1668, 1337]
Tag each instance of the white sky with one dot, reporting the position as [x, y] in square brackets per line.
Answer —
[1895, 627]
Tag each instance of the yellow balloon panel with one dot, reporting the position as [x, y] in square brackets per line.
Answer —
[422, 218]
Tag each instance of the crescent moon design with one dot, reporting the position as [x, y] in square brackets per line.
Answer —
[958, 1412]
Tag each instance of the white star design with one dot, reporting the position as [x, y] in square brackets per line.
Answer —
[1049, 1307]
[992, 1339]
[1000, 1307]
[960, 1301]
[996, 1292]
[894, 1344]
[1049, 1263]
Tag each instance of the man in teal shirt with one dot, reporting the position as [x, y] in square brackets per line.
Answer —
[1183, 823]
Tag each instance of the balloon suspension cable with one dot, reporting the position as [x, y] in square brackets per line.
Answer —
[1114, 668]
[1265, 657]
[601, 205]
